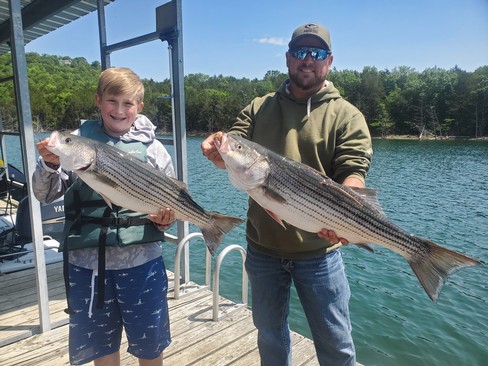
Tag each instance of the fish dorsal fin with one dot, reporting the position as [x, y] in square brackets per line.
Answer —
[179, 183]
[341, 189]
[369, 195]
[365, 195]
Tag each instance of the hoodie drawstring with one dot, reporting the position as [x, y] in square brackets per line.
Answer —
[92, 295]
[309, 100]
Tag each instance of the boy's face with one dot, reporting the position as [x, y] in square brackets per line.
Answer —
[118, 112]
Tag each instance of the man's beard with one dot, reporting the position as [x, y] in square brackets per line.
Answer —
[306, 84]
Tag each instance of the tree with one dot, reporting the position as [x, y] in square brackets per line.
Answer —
[399, 101]
[383, 123]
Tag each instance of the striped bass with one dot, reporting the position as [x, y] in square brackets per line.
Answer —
[301, 196]
[128, 182]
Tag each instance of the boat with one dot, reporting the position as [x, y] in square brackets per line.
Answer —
[16, 247]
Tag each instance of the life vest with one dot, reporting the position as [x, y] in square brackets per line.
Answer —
[90, 222]
[86, 213]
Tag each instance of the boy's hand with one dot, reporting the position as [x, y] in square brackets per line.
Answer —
[164, 217]
[47, 156]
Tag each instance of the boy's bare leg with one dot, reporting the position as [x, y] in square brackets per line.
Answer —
[112, 359]
[154, 362]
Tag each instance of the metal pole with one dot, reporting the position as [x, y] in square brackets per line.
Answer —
[29, 156]
[179, 119]
[102, 32]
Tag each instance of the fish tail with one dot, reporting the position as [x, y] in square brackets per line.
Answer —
[433, 268]
[219, 225]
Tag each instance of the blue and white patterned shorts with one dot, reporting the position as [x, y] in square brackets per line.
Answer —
[135, 299]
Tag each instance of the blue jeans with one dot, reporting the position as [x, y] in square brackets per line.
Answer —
[323, 290]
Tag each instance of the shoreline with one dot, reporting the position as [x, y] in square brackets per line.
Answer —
[430, 138]
[388, 137]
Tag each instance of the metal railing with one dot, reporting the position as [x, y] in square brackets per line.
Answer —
[216, 281]
[216, 273]
[177, 272]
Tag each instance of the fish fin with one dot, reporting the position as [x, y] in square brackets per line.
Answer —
[369, 195]
[341, 188]
[275, 217]
[273, 195]
[105, 181]
[365, 246]
[179, 183]
[433, 268]
[107, 201]
[213, 233]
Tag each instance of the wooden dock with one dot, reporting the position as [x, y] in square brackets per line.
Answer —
[197, 340]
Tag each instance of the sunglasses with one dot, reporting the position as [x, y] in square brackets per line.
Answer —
[316, 53]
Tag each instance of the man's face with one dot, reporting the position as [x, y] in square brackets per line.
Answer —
[307, 74]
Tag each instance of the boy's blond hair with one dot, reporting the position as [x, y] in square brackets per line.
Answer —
[120, 80]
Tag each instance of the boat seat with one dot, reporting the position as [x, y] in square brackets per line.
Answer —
[23, 221]
[52, 220]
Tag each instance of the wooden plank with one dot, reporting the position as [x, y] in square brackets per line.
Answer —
[231, 345]
[204, 337]
[36, 349]
[197, 340]
[19, 314]
[303, 351]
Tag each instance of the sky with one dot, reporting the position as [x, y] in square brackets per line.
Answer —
[249, 38]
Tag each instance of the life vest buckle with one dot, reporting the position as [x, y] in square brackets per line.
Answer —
[122, 221]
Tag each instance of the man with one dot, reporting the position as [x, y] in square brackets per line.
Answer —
[306, 120]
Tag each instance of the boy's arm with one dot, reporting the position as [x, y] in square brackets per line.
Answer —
[49, 184]
[49, 181]
[159, 158]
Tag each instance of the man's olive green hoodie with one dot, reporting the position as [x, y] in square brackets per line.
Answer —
[325, 132]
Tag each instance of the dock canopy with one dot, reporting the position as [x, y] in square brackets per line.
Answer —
[40, 17]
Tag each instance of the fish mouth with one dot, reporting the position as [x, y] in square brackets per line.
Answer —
[221, 143]
[53, 139]
[85, 168]
[217, 141]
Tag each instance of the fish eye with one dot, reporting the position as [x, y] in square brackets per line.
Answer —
[67, 140]
[239, 147]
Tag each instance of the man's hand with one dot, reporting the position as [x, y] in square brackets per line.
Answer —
[210, 150]
[332, 237]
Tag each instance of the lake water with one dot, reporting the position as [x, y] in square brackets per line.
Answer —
[434, 189]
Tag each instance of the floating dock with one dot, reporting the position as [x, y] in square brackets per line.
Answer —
[197, 339]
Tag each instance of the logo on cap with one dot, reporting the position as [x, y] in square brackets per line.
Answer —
[311, 28]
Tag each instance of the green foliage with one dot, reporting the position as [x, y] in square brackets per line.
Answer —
[400, 101]
[61, 91]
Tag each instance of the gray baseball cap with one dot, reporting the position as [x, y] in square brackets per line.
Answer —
[311, 29]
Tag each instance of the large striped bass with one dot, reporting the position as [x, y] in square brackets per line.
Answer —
[303, 197]
[128, 182]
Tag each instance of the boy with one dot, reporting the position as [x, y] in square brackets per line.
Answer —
[115, 273]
